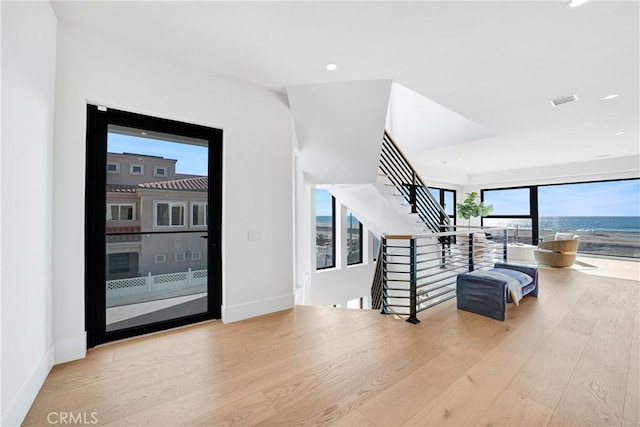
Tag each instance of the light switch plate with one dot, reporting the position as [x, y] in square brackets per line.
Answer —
[254, 235]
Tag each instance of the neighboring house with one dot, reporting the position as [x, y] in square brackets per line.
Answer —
[145, 195]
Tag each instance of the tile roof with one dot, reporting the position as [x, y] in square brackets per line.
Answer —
[200, 183]
[121, 188]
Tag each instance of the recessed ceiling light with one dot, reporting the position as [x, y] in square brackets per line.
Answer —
[619, 133]
[332, 67]
[143, 133]
[572, 4]
[613, 95]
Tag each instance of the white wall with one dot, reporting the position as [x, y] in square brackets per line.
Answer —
[257, 275]
[339, 128]
[28, 82]
[596, 170]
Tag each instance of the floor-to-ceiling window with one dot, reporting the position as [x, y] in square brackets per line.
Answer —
[605, 214]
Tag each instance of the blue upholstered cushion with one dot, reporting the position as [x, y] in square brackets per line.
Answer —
[521, 277]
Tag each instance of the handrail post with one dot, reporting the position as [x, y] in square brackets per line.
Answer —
[413, 297]
[505, 236]
[471, 250]
[383, 254]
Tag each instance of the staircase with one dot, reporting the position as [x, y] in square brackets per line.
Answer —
[397, 173]
[399, 202]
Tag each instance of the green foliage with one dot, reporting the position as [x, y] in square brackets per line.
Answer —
[470, 208]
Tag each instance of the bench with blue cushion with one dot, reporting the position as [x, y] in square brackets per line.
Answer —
[487, 292]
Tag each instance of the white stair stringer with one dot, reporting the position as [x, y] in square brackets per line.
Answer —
[377, 208]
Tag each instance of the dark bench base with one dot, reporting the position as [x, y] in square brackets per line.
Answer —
[490, 296]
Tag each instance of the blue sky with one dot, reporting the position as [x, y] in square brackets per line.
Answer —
[507, 202]
[613, 198]
[191, 159]
[323, 203]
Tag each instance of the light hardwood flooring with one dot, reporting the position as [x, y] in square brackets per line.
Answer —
[567, 358]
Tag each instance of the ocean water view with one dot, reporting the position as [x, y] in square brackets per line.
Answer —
[630, 224]
[599, 235]
[322, 219]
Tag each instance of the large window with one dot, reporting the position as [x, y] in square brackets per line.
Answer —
[605, 214]
[515, 209]
[169, 214]
[325, 229]
[447, 199]
[354, 239]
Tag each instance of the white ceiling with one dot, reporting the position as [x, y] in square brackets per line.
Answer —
[496, 63]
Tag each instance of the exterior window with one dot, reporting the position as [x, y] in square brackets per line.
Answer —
[513, 208]
[161, 258]
[169, 214]
[136, 169]
[514, 201]
[159, 171]
[199, 214]
[196, 256]
[121, 212]
[113, 167]
[118, 263]
[325, 229]
[180, 257]
[447, 199]
[376, 248]
[605, 215]
[354, 240]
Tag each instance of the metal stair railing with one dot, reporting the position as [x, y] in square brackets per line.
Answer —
[417, 274]
[401, 174]
[376, 288]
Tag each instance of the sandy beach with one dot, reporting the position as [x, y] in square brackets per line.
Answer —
[610, 243]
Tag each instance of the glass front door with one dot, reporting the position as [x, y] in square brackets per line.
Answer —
[160, 225]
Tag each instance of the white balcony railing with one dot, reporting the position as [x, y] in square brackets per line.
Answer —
[159, 282]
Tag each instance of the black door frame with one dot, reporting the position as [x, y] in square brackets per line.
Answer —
[98, 120]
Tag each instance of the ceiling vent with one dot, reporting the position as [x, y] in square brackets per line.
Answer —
[564, 100]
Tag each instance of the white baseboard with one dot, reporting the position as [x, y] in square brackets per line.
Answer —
[70, 349]
[19, 406]
[256, 308]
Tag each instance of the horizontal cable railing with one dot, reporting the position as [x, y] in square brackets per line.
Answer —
[419, 271]
[401, 175]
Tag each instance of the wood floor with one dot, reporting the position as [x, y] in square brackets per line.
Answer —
[568, 358]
